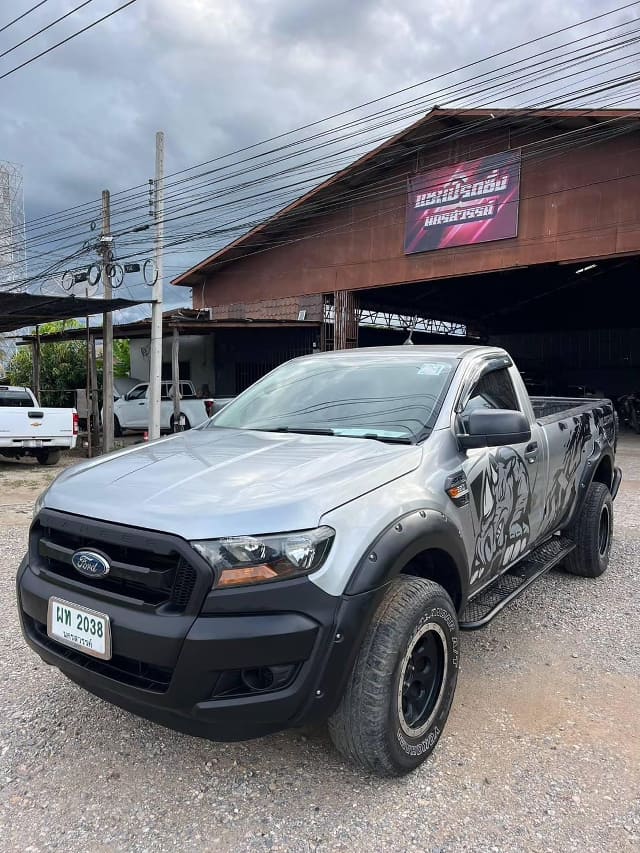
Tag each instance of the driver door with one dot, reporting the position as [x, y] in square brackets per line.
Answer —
[502, 482]
[135, 408]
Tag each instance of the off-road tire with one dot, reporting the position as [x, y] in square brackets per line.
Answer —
[48, 457]
[592, 531]
[117, 429]
[186, 426]
[369, 727]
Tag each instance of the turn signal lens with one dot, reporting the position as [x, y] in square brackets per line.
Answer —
[252, 574]
[456, 492]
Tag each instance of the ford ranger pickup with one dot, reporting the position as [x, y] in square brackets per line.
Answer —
[311, 552]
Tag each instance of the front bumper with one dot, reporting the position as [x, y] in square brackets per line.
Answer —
[183, 670]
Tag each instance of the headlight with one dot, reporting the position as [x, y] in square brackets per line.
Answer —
[242, 560]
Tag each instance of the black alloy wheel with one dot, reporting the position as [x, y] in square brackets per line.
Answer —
[421, 679]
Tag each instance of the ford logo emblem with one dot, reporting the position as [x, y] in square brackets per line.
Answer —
[90, 564]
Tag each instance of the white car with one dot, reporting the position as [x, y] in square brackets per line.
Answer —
[132, 410]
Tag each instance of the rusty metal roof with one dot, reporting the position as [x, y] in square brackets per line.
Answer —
[380, 158]
[18, 310]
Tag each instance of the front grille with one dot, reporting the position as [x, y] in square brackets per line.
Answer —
[125, 670]
[138, 576]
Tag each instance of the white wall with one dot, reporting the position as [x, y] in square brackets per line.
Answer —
[196, 349]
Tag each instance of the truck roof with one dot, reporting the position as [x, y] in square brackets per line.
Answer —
[458, 351]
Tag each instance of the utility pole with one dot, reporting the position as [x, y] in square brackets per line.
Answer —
[106, 242]
[155, 366]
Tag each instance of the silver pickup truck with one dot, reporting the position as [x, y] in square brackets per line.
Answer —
[312, 551]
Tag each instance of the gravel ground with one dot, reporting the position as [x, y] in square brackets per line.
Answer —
[541, 752]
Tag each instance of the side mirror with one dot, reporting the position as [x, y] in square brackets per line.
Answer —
[493, 428]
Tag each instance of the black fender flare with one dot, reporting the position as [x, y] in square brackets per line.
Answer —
[407, 536]
[590, 468]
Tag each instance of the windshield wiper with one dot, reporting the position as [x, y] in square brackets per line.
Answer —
[301, 430]
[389, 439]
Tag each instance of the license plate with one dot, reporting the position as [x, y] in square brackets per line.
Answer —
[79, 628]
[32, 442]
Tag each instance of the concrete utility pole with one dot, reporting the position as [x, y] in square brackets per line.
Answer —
[155, 366]
[106, 243]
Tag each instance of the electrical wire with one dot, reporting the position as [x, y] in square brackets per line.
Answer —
[67, 39]
[44, 29]
[380, 99]
[269, 176]
[23, 15]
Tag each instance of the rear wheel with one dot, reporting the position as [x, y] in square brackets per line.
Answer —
[48, 457]
[399, 694]
[592, 531]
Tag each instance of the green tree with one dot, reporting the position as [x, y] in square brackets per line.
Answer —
[121, 358]
[63, 366]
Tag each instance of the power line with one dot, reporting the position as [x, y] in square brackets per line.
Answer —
[374, 101]
[23, 15]
[67, 39]
[44, 29]
[270, 176]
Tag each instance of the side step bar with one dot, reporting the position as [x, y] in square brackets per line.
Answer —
[490, 601]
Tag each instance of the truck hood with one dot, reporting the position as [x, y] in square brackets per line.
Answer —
[226, 482]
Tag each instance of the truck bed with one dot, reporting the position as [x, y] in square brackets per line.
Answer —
[550, 409]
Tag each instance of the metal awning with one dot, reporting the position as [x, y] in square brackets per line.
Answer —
[18, 310]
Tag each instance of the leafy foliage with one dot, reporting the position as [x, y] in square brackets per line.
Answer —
[121, 358]
[63, 366]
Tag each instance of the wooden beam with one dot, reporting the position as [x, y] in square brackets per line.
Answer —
[36, 366]
[175, 379]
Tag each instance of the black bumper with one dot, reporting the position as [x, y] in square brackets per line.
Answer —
[185, 671]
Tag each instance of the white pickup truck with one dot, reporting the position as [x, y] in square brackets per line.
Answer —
[132, 410]
[28, 429]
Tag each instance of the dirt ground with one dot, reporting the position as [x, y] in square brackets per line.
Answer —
[541, 752]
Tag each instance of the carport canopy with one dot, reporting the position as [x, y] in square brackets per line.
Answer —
[18, 310]
[545, 297]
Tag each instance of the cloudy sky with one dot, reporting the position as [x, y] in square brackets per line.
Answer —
[217, 76]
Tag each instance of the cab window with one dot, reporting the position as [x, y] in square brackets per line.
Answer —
[494, 390]
[137, 393]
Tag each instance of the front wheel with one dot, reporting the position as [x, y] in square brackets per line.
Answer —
[398, 697]
[592, 531]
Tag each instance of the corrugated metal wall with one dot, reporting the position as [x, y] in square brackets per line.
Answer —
[602, 359]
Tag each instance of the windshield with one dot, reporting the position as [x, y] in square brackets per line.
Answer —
[392, 398]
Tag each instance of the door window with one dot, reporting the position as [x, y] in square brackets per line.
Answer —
[494, 390]
[137, 393]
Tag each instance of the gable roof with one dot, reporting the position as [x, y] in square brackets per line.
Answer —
[426, 129]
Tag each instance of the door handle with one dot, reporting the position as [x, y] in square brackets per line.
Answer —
[531, 453]
[141, 404]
